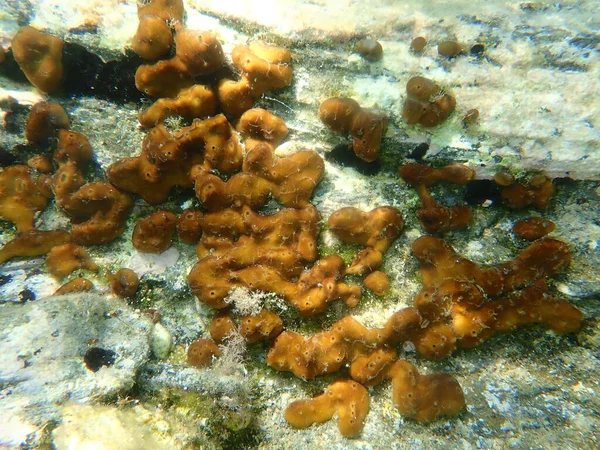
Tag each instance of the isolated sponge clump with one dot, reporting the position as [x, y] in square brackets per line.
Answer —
[366, 126]
[533, 228]
[346, 398]
[536, 191]
[424, 398]
[426, 103]
[44, 121]
[202, 352]
[39, 56]
[124, 283]
[78, 284]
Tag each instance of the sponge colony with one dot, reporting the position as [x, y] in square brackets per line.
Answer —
[66, 258]
[369, 49]
[263, 67]
[426, 103]
[153, 38]
[202, 352]
[124, 283]
[22, 196]
[39, 56]
[154, 233]
[533, 228]
[347, 398]
[424, 398]
[366, 126]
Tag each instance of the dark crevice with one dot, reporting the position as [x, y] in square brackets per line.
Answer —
[85, 74]
[344, 155]
[479, 191]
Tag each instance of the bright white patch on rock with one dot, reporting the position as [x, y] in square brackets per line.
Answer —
[149, 263]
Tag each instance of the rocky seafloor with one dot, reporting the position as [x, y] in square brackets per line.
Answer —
[536, 88]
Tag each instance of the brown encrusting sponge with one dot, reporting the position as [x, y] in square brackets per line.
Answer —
[167, 160]
[450, 48]
[369, 49]
[534, 191]
[290, 180]
[418, 44]
[202, 352]
[258, 125]
[434, 217]
[465, 303]
[189, 226]
[346, 398]
[39, 56]
[265, 326]
[154, 233]
[378, 282]
[33, 243]
[533, 228]
[222, 326]
[366, 126]
[78, 284]
[426, 103]
[252, 252]
[22, 196]
[424, 398]
[196, 54]
[66, 258]
[44, 121]
[98, 210]
[124, 283]
[346, 343]
[40, 163]
[376, 230]
[198, 101]
[269, 253]
[262, 67]
[153, 37]
[461, 303]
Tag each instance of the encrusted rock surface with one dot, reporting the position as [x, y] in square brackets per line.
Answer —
[534, 86]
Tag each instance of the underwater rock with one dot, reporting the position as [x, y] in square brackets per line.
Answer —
[43, 344]
[113, 427]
